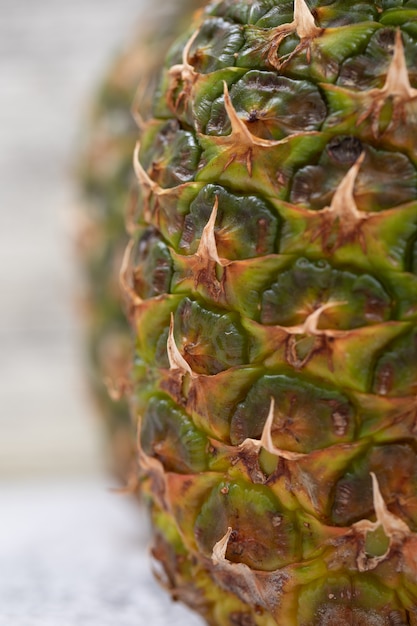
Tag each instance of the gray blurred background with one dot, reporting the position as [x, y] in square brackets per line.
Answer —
[52, 55]
[71, 552]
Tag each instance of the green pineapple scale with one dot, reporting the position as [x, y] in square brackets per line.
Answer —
[272, 285]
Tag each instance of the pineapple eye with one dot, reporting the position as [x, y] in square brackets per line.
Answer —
[169, 154]
[257, 520]
[246, 226]
[169, 435]
[210, 340]
[151, 265]
[300, 424]
[272, 106]
[384, 180]
[303, 288]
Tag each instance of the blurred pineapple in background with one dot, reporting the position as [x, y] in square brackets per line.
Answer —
[108, 186]
[274, 299]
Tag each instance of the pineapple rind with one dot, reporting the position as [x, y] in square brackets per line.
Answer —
[286, 335]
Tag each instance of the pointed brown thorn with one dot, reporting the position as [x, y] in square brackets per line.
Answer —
[266, 440]
[150, 187]
[309, 326]
[201, 266]
[343, 205]
[392, 525]
[397, 82]
[240, 131]
[303, 25]
[207, 248]
[185, 69]
[125, 277]
[343, 211]
[175, 358]
[343, 196]
[241, 145]
[397, 86]
[141, 174]
[395, 529]
[219, 549]
[183, 72]
[241, 142]
[146, 183]
[256, 588]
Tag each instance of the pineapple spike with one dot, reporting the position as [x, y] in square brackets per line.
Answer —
[393, 526]
[395, 529]
[176, 360]
[142, 176]
[309, 326]
[266, 440]
[303, 23]
[201, 266]
[343, 211]
[188, 69]
[184, 72]
[219, 549]
[239, 128]
[343, 203]
[207, 248]
[125, 274]
[146, 181]
[149, 187]
[240, 131]
[147, 184]
[185, 69]
[397, 82]
[240, 572]
[397, 86]
[241, 142]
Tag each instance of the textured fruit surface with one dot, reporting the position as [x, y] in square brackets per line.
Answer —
[272, 285]
[106, 179]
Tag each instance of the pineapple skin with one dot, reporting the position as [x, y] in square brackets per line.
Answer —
[107, 187]
[272, 287]
[105, 178]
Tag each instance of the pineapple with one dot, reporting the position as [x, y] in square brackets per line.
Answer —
[106, 176]
[271, 281]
